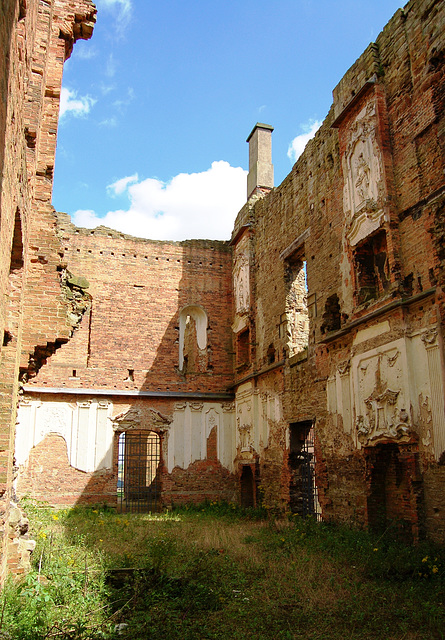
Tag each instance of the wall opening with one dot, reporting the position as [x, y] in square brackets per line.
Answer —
[243, 349]
[394, 492]
[17, 244]
[331, 315]
[297, 318]
[371, 268]
[138, 480]
[247, 487]
[303, 495]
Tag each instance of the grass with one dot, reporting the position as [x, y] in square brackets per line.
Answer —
[215, 572]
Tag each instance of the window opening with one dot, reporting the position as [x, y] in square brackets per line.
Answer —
[297, 318]
[243, 349]
[138, 479]
[331, 315]
[270, 354]
[17, 244]
[303, 494]
[371, 268]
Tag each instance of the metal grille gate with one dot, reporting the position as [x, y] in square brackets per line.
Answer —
[138, 483]
[302, 488]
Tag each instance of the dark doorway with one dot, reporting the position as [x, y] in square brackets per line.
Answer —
[303, 498]
[138, 484]
[247, 482]
[395, 491]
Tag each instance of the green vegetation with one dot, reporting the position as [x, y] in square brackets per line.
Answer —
[217, 572]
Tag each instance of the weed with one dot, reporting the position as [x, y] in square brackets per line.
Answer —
[216, 571]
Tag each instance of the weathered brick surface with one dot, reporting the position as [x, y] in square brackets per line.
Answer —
[35, 38]
[363, 208]
[405, 67]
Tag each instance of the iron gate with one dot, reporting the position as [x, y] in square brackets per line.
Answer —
[303, 488]
[138, 482]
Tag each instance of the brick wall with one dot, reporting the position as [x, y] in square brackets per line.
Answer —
[138, 289]
[35, 38]
[382, 267]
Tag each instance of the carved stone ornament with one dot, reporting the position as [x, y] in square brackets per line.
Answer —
[343, 367]
[241, 283]
[244, 431]
[152, 420]
[362, 164]
[430, 338]
[383, 419]
[392, 359]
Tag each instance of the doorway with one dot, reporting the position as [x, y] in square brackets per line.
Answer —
[247, 485]
[138, 482]
[303, 496]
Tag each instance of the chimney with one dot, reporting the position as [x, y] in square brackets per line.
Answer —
[260, 158]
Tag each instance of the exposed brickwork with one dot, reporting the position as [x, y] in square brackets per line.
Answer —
[392, 98]
[50, 478]
[360, 356]
[138, 289]
[32, 53]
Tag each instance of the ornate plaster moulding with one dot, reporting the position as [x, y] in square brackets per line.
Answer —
[364, 223]
[384, 421]
[245, 437]
[152, 420]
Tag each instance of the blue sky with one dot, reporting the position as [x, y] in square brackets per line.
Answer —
[157, 106]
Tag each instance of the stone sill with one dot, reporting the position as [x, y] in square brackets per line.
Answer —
[297, 358]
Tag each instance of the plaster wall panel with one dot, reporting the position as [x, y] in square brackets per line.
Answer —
[82, 440]
[197, 434]
[382, 393]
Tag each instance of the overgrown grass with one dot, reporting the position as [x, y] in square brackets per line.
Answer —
[216, 571]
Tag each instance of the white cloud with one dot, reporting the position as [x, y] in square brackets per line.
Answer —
[124, 102]
[109, 122]
[121, 8]
[298, 144]
[117, 188]
[196, 205]
[70, 103]
[110, 67]
[84, 51]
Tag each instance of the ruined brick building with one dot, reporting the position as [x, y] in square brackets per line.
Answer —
[300, 365]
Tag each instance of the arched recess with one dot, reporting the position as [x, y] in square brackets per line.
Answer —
[193, 340]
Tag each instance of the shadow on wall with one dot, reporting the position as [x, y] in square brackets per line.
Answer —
[193, 355]
[7, 19]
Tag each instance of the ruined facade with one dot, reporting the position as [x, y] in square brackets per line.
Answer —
[299, 366]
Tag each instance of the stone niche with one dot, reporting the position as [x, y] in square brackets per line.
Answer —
[392, 393]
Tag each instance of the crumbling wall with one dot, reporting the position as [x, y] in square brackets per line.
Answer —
[31, 72]
[129, 337]
[363, 208]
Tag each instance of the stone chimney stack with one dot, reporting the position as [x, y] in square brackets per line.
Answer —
[260, 158]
